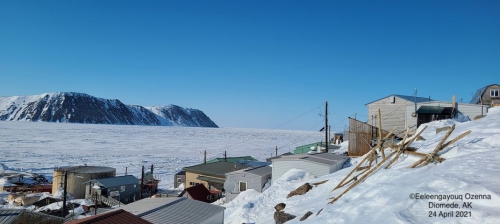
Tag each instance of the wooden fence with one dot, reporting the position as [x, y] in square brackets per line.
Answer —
[362, 137]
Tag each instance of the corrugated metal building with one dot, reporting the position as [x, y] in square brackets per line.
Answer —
[318, 164]
[176, 210]
[19, 216]
[242, 180]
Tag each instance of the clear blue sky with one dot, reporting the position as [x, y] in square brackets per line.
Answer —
[252, 64]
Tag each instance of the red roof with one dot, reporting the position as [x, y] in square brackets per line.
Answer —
[119, 216]
[198, 192]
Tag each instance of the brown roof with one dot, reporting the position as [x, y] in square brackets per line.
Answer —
[119, 216]
[198, 192]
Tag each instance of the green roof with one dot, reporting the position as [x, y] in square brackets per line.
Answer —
[239, 159]
[305, 148]
[218, 169]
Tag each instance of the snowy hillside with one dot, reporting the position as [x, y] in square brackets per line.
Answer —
[470, 175]
[69, 107]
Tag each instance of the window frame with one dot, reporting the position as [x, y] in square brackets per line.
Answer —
[494, 93]
[239, 185]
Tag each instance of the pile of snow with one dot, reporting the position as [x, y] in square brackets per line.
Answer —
[468, 175]
[60, 193]
[5, 183]
[294, 175]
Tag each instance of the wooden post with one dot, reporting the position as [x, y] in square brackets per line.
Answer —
[95, 206]
[152, 182]
[126, 170]
[276, 150]
[225, 156]
[142, 181]
[205, 157]
[65, 191]
[381, 148]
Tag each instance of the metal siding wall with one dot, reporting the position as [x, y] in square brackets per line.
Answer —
[216, 219]
[253, 181]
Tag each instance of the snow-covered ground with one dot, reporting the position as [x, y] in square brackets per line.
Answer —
[471, 168]
[39, 147]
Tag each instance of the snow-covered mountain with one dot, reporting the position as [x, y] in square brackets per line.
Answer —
[73, 107]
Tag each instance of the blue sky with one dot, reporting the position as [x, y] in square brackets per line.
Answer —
[251, 64]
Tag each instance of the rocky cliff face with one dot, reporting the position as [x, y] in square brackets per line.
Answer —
[82, 108]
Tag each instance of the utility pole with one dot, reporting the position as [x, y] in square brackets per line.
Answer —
[276, 151]
[326, 126]
[64, 192]
[225, 156]
[126, 171]
[153, 180]
[205, 157]
[142, 181]
[415, 100]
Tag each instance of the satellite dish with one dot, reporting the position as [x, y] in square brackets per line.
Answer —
[229, 186]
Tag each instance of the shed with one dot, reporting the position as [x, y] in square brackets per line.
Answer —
[15, 216]
[318, 164]
[176, 210]
[362, 136]
[241, 180]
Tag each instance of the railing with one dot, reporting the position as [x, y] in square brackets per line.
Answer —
[105, 200]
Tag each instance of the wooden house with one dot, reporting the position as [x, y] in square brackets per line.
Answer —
[250, 178]
[212, 175]
[126, 188]
[318, 164]
[176, 210]
[393, 111]
[488, 95]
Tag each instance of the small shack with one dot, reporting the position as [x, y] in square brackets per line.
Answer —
[241, 180]
[123, 188]
[362, 137]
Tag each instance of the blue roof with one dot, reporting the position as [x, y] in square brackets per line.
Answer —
[118, 181]
[407, 98]
[479, 93]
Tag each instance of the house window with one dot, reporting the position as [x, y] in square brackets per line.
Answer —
[494, 93]
[179, 180]
[192, 183]
[243, 186]
[122, 188]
